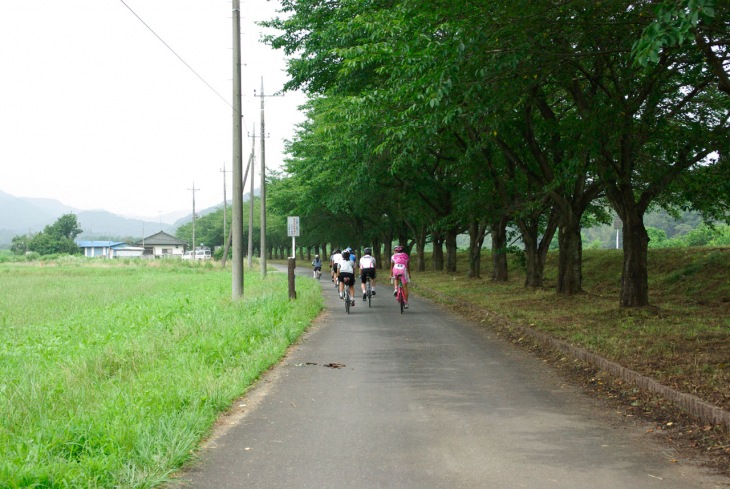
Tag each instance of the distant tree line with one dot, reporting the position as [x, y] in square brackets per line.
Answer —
[56, 238]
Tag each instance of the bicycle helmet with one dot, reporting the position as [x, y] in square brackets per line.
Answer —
[316, 256]
[367, 251]
[398, 249]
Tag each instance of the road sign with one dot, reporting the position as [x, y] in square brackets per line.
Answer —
[292, 226]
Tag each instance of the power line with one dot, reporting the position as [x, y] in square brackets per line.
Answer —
[177, 55]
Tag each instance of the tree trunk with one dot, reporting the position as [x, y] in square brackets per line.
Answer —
[635, 277]
[421, 248]
[570, 268]
[477, 231]
[387, 248]
[438, 252]
[534, 266]
[536, 250]
[451, 235]
[377, 254]
[499, 250]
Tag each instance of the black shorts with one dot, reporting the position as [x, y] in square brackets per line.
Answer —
[346, 275]
[365, 273]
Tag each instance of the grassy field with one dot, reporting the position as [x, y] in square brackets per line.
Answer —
[112, 372]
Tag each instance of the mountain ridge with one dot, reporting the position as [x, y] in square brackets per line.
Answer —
[27, 215]
[24, 215]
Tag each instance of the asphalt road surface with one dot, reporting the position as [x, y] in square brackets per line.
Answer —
[376, 399]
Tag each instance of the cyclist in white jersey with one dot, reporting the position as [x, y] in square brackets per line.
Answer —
[334, 260]
[346, 270]
[367, 269]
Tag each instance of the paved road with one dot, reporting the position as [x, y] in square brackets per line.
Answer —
[424, 400]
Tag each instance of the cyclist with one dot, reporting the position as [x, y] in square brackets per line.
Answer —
[334, 260]
[317, 264]
[400, 269]
[353, 257]
[345, 270]
[367, 269]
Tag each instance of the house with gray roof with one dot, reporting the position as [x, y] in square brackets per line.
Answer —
[162, 245]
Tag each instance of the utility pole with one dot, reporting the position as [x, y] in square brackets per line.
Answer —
[237, 225]
[263, 182]
[193, 189]
[225, 201]
[230, 233]
[263, 186]
[250, 201]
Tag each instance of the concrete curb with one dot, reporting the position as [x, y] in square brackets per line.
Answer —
[704, 411]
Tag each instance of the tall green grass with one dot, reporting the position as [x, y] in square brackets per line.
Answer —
[111, 373]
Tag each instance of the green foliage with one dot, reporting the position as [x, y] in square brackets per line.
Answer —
[722, 238]
[703, 235]
[672, 26]
[452, 123]
[657, 237]
[56, 238]
[20, 244]
[209, 228]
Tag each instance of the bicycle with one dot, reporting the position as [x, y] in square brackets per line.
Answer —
[369, 291]
[399, 297]
[317, 274]
[346, 294]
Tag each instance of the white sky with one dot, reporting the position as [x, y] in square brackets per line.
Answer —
[96, 112]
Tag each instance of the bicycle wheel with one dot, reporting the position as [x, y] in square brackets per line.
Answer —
[370, 293]
[347, 300]
[401, 301]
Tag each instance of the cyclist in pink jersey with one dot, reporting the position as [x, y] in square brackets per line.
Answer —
[400, 269]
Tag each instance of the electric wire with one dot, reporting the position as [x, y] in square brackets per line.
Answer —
[181, 59]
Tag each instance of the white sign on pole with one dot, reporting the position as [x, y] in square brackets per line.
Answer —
[292, 224]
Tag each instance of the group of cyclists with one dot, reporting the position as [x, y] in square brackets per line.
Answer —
[344, 264]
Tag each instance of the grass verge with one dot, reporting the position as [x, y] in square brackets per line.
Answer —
[112, 372]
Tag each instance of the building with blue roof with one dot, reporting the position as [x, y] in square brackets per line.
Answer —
[109, 249]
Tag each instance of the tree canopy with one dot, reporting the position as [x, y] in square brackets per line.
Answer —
[431, 118]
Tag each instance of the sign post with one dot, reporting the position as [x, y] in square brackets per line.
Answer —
[292, 225]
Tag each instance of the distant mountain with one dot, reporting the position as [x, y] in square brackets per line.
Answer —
[16, 213]
[23, 215]
[99, 223]
[204, 212]
[49, 206]
[169, 218]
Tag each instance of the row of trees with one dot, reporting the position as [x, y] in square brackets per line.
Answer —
[209, 229]
[432, 118]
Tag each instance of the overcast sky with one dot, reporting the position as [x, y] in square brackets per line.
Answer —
[96, 112]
